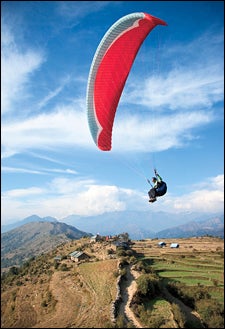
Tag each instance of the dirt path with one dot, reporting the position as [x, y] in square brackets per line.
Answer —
[128, 288]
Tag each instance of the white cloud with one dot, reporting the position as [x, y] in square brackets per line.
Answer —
[40, 171]
[206, 197]
[16, 68]
[68, 128]
[19, 193]
[62, 197]
[65, 186]
[204, 200]
[46, 131]
[99, 199]
[183, 88]
[20, 170]
[187, 75]
[157, 133]
[53, 93]
[73, 10]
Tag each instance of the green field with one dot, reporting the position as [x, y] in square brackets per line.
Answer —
[192, 273]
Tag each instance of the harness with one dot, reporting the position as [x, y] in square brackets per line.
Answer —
[161, 188]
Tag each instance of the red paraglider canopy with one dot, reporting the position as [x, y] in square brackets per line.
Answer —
[109, 71]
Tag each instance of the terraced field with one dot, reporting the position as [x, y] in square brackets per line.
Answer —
[196, 265]
[197, 261]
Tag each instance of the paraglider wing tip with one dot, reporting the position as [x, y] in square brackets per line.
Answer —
[156, 20]
[104, 148]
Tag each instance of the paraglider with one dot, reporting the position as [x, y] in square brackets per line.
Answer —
[109, 70]
[159, 187]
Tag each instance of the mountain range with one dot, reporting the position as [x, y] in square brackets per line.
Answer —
[139, 225]
[213, 226]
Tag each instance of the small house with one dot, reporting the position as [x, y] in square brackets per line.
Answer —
[174, 245]
[108, 238]
[58, 259]
[95, 238]
[162, 244]
[77, 256]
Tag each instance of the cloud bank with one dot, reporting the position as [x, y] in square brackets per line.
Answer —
[62, 197]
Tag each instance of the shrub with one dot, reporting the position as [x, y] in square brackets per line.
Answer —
[123, 272]
[64, 267]
[148, 285]
[211, 312]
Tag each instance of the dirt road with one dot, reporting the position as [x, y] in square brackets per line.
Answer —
[128, 288]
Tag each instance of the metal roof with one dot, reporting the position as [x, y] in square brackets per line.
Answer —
[76, 253]
[174, 245]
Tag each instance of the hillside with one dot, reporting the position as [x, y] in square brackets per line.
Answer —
[51, 294]
[66, 294]
[35, 238]
[29, 219]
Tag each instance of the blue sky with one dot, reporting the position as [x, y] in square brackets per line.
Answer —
[170, 115]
